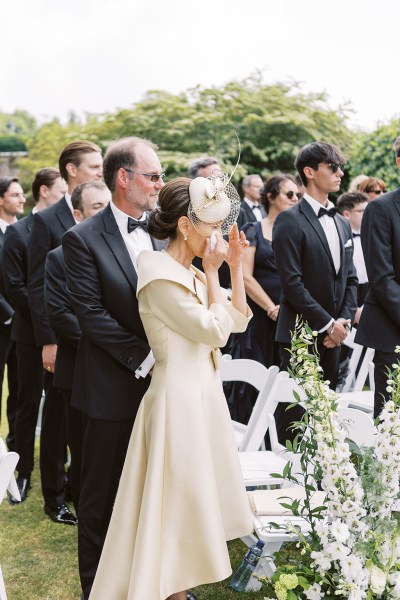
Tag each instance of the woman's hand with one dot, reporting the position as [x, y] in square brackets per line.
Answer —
[213, 260]
[237, 244]
[273, 312]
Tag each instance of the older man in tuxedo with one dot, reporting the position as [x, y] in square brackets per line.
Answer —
[79, 161]
[47, 188]
[379, 326]
[250, 208]
[114, 358]
[87, 200]
[313, 247]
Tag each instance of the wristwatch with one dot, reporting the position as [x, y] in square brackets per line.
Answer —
[331, 328]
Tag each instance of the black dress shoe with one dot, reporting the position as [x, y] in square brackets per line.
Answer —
[191, 596]
[24, 485]
[61, 514]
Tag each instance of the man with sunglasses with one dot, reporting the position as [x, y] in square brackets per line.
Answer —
[113, 359]
[314, 257]
[379, 326]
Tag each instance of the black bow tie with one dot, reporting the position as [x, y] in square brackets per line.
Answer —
[255, 206]
[331, 212]
[356, 235]
[133, 224]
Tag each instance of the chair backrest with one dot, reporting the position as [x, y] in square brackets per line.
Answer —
[281, 390]
[358, 364]
[257, 375]
[8, 460]
[359, 426]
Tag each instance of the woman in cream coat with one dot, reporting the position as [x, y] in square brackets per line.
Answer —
[181, 493]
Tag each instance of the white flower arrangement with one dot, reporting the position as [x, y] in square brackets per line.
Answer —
[353, 548]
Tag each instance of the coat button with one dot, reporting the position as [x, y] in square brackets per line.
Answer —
[129, 360]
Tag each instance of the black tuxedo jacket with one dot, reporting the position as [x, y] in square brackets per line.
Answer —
[310, 285]
[62, 319]
[102, 280]
[15, 264]
[246, 214]
[49, 225]
[6, 310]
[379, 326]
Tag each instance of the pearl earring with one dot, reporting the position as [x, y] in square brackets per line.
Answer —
[185, 237]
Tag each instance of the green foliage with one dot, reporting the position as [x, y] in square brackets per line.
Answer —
[373, 155]
[11, 143]
[19, 122]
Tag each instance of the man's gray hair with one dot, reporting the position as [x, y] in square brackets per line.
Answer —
[200, 163]
[247, 180]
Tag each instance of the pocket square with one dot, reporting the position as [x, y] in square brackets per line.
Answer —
[348, 243]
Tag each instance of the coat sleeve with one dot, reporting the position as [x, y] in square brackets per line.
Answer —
[287, 243]
[376, 239]
[15, 271]
[38, 248]
[61, 315]
[98, 325]
[180, 310]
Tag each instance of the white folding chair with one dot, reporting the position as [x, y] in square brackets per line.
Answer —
[359, 369]
[8, 462]
[255, 374]
[359, 426]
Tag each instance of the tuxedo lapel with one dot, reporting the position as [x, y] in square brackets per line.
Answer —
[1, 238]
[343, 239]
[397, 199]
[64, 214]
[113, 237]
[312, 218]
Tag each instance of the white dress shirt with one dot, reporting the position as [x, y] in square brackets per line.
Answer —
[255, 207]
[332, 236]
[69, 202]
[135, 242]
[358, 259]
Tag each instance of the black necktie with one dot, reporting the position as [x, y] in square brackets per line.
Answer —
[132, 224]
[356, 235]
[331, 212]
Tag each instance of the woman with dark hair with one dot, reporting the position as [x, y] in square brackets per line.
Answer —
[263, 289]
[181, 493]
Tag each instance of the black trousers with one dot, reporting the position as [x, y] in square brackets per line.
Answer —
[75, 434]
[383, 362]
[29, 359]
[53, 445]
[104, 449]
[329, 361]
[8, 356]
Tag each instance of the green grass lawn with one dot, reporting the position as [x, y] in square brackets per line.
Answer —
[39, 557]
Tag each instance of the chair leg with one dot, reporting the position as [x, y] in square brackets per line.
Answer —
[3, 595]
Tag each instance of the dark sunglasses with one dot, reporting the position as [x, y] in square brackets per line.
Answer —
[335, 166]
[290, 194]
[375, 192]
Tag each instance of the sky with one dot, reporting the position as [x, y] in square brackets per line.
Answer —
[100, 55]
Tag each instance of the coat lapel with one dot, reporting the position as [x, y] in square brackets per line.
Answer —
[113, 237]
[64, 214]
[397, 199]
[312, 218]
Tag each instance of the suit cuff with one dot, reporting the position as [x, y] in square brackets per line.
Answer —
[144, 368]
[326, 326]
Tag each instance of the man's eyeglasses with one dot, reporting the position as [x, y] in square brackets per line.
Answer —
[335, 166]
[154, 177]
[290, 194]
[375, 192]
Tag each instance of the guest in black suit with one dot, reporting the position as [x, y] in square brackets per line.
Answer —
[79, 161]
[251, 210]
[314, 258]
[47, 188]
[87, 199]
[114, 358]
[12, 202]
[379, 326]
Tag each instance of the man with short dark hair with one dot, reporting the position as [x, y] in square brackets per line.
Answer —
[87, 199]
[314, 257]
[79, 162]
[379, 326]
[250, 208]
[114, 358]
[47, 188]
[12, 202]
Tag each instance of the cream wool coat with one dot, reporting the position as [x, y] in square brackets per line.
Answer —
[181, 493]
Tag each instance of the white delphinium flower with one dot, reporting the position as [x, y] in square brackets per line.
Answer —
[314, 592]
[378, 580]
[340, 531]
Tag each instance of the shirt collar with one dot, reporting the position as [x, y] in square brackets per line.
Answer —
[68, 201]
[122, 218]
[4, 225]
[315, 205]
[251, 203]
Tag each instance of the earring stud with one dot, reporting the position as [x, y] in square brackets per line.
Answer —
[185, 237]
